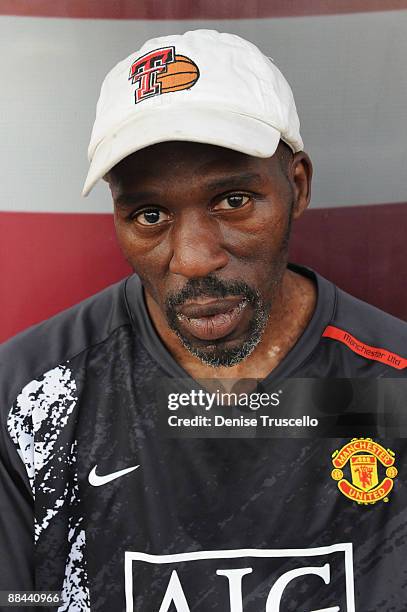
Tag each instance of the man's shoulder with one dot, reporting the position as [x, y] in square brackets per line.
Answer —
[376, 323]
[368, 331]
[59, 338]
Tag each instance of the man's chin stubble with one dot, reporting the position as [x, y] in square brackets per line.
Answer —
[218, 356]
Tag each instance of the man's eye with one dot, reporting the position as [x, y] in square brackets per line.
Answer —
[151, 216]
[237, 200]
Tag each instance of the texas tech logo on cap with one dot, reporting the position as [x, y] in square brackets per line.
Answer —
[162, 71]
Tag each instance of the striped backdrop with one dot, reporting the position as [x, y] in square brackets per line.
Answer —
[346, 62]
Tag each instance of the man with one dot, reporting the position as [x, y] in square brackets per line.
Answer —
[198, 139]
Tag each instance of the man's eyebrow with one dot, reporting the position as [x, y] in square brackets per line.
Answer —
[128, 200]
[232, 181]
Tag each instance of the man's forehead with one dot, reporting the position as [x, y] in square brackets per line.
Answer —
[186, 159]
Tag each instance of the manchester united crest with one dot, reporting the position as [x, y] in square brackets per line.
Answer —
[364, 471]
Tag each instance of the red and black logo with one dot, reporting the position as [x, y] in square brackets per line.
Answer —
[162, 71]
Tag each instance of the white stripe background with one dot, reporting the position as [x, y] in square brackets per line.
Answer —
[348, 74]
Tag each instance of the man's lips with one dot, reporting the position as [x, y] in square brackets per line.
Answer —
[211, 319]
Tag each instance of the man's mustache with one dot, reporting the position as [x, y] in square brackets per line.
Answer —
[211, 286]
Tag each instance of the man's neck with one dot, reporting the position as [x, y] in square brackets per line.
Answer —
[291, 313]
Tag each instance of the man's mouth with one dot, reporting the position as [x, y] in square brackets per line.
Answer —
[208, 318]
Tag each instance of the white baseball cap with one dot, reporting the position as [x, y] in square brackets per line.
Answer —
[201, 86]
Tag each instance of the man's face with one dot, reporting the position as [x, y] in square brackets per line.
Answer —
[206, 229]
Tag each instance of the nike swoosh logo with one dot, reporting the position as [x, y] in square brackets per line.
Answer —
[97, 481]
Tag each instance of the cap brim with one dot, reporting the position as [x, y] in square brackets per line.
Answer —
[211, 126]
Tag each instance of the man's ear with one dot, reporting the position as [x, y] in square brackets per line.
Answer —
[300, 176]
[106, 177]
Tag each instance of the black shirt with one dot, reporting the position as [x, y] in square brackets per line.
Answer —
[226, 523]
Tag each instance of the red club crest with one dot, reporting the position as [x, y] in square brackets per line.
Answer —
[364, 457]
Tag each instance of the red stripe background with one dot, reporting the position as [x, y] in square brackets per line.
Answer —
[198, 9]
[55, 260]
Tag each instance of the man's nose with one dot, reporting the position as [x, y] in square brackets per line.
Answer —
[197, 248]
